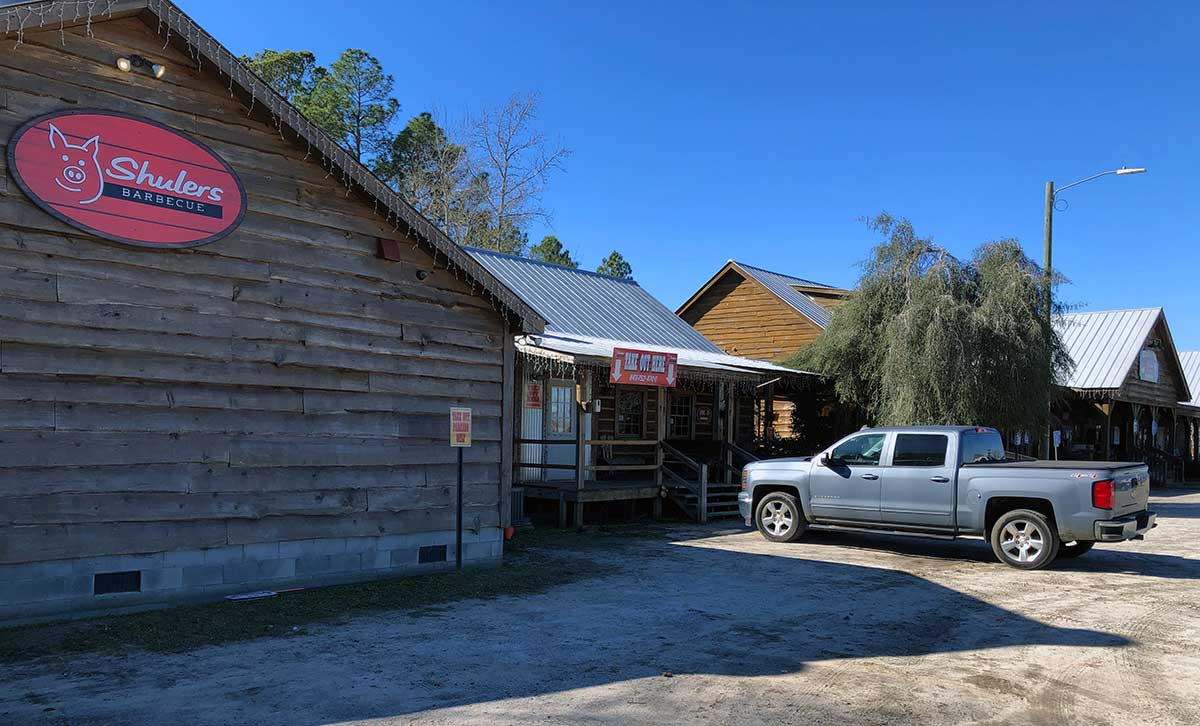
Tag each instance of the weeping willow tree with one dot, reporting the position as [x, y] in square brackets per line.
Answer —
[927, 338]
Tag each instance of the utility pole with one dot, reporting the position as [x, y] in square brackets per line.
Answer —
[1047, 305]
[1048, 279]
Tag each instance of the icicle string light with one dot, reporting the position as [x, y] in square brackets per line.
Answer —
[173, 23]
[555, 365]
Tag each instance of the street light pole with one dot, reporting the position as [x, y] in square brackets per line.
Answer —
[1047, 267]
[1047, 302]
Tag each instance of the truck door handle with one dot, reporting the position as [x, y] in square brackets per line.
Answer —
[940, 479]
[870, 476]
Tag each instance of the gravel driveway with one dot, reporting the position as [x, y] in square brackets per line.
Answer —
[713, 625]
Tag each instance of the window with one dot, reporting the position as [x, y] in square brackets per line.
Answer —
[679, 424]
[920, 450]
[631, 408]
[981, 447]
[562, 408]
[861, 450]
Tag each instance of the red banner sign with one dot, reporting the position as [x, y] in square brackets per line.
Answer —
[644, 367]
[126, 179]
[533, 395]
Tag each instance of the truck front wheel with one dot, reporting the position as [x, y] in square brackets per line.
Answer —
[1024, 539]
[779, 517]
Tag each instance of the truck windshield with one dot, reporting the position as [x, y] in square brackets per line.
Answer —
[982, 447]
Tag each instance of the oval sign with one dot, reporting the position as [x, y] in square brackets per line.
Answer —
[127, 179]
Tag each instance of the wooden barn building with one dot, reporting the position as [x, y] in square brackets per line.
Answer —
[227, 351]
[753, 312]
[1128, 397]
[1189, 411]
[621, 400]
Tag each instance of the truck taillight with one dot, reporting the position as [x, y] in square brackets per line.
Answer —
[745, 480]
[1102, 494]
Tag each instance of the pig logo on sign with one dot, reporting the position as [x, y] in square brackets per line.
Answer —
[81, 167]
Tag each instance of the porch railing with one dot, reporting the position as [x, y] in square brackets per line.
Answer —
[733, 459]
[675, 480]
[683, 479]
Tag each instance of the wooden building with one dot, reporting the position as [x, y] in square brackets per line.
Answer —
[1127, 397]
[749, 311]
[621, 400]
[215, 386]
[1189, 415]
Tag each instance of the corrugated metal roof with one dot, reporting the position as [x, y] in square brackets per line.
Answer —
[1104, 345]
[781, 286]
[582, 303]
[1191, 373]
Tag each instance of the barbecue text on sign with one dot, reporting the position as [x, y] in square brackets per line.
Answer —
[644, 367]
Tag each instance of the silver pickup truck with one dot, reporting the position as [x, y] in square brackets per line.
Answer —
[946, 482]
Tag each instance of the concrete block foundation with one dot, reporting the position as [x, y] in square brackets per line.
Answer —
[44, 590]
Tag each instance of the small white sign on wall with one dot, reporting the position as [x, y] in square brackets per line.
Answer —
[1148, 365]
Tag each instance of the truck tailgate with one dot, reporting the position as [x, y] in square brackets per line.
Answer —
[1131, 490]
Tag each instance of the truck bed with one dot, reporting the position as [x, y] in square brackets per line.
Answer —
[1040, 464]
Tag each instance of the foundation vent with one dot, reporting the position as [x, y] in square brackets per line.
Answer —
[432, 553]
[106, 583]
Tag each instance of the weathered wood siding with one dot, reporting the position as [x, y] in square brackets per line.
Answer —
[1169, 389]
[743, 318]
[283, 383]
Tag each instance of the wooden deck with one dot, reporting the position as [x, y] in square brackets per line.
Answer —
[593, 491]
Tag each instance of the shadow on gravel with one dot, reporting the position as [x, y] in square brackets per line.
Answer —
[675, 607]
[711, 611]
[1177, 510]
[1121, 557]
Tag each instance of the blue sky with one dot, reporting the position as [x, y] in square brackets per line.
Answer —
[764, 131]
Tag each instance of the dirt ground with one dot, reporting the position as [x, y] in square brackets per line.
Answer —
[712, 625]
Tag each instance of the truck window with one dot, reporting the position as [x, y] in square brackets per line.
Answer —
[861, 450]
[920, 450]
[982, 447]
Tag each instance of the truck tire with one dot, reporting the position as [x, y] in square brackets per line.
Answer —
[779, 517]
[1075, 549]
[1024, 539]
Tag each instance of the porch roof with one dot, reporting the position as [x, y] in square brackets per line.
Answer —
[577, 303]
[582, 348]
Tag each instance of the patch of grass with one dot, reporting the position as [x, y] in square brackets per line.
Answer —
[536, 561]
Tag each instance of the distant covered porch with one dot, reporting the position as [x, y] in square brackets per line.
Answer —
[676, 434]
[1106, 428]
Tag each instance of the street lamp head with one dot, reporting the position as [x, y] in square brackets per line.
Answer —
[1126, 170]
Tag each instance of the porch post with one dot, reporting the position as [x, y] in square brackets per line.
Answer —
[1108, 409]
[580, 455]
[730, 425]
[1135, 429]
[660, 434]
[510, 416]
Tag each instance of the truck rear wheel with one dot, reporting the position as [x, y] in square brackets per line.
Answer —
[779, 517]
[1024, 539]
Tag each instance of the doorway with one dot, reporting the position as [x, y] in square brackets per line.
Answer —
[560, 421]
